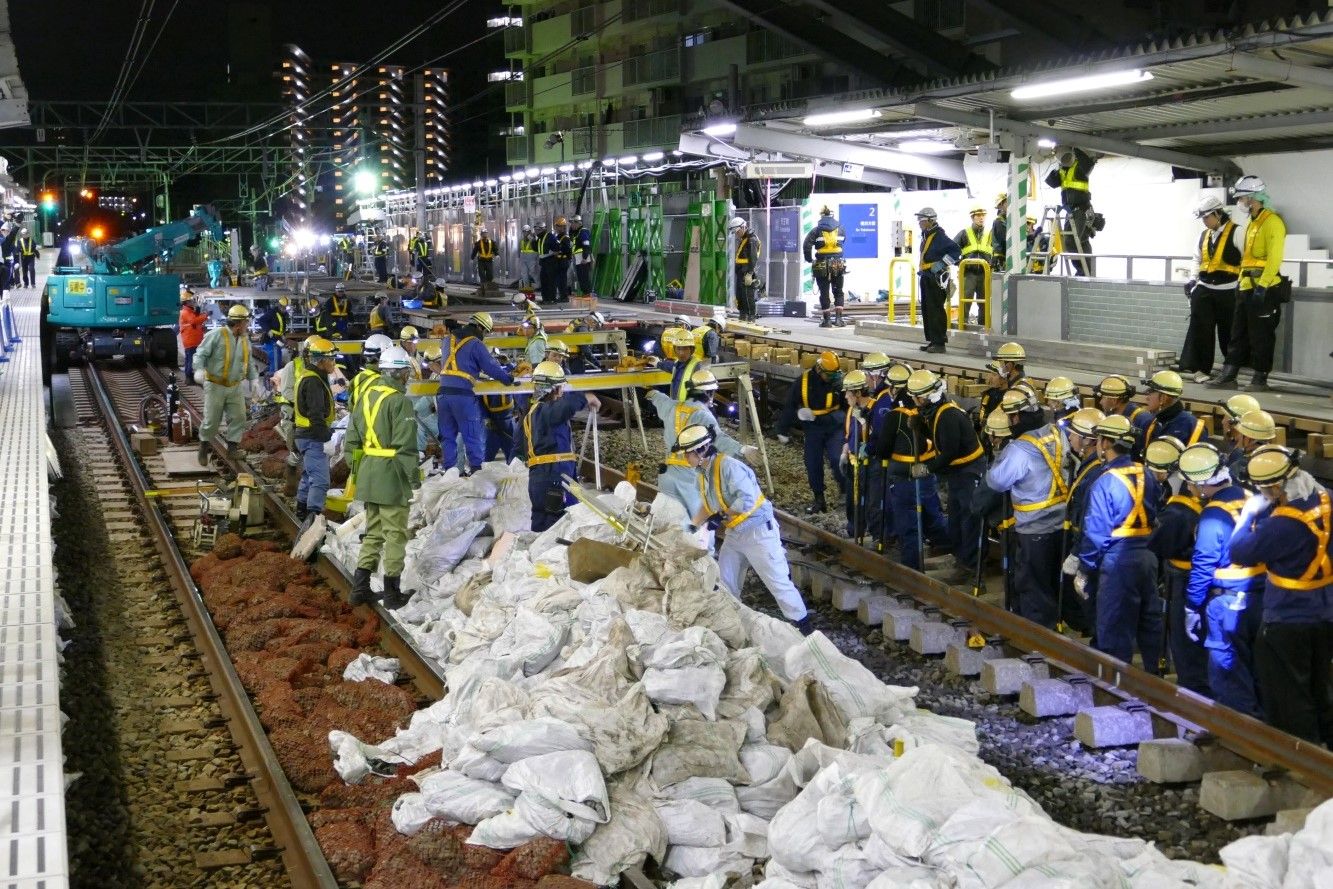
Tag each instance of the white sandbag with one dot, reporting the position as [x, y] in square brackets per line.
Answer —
[764, 762]
[349, 757]
[551, 820]
[756, 726]
[487, 621]
[632, 835]
[716, 793]
[773, 637]
[712, 881]
[747, 834]
[528, 643]
[993, 844]
[691, 823]
[750, 684]
[448, 542]
[507, 830]
[909, 876]
[366, 666]
[409, 813]
[531, 737]
[700, 861]
[918, 727]
[570, 780]
[699, 686]
[839, 819]
[453, 796]
[623, 732]
[1259, 862]
[694, 647]
[794, 840]
[778, 877]
[1310, 853]
[697, 748]
[475, 764]
[811, 759]
[765, 800]
[854, 688]
[847, 868]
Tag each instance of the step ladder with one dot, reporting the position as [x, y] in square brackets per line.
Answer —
[1058, 230]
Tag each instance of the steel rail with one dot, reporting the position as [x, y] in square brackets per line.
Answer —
[301, 855]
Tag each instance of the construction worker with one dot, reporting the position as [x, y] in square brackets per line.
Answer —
[1033, 469]
[898, 442]
[273, 324]
[1169, 416]
[709, 337]
[498, 410]
[339, 310]
[823, 249]
[975, 242]
[466, 360]
[346, 251]
[1223, 601]
[1262, 290]
[532, 327]
[550, 442]
[1113, 397]
[1081, 433]
[1036, 240]
[557, 250]
[192, 320]
[313, 417]
[375, 346]
[419, 249]
[814, 400]
[284, 395]
[1286, 529]
[677, 479]
[382, 439]
[1233, 409]
[959, 461]
[584, 359]
[28, 252]
[222, 365]
[557, 352]
[1004, 371]
[745, 267]
[856, 452]
[1062, 397]
[938, 255]
[529, 245]
[729, 490]
[582, 246]
[379, 255]
[999, 231]
[378, 321]
[1252, 431]
[428, 425]
[1071, 177]
[686, 361]
[1212, 290]
[483, 253]
[1172, 542]
[1113, 566]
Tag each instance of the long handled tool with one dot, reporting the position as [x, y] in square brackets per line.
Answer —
[981, 558]
[634, 527]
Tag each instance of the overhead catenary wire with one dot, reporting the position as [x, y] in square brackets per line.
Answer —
[131, 55]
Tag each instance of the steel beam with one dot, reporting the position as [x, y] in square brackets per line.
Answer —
[817, 148]
[1124, 147]
[1058, 24]
[151, 115]
[880, 27]
[1283, 72]
[1319, 117]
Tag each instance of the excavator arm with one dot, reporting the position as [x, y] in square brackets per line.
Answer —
[164, 241]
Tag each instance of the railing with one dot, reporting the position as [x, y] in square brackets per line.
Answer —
[583, 141]
[634, 10]
[767, 46]
[516, 94]
[654, 132]
[583, 80]
[1169, 269]
[661, 65]
[894, 264]
[964, 301]
[516, 41]
[517, 150]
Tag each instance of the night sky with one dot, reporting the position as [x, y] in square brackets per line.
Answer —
[73, 50]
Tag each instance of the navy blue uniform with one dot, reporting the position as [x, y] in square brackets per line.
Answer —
[901, 443]
[823, 434]
[465, 359]
[1177, 422]
[1172, 541]
[550, 455]
[936, 247]
[959, 461]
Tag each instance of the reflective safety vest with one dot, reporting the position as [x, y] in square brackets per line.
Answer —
[1224, 256]
[370, 410]
[1068, 180]
[934, 435]
[302, 374]
[1136, 523]
[683, 388]
[225, 379]
[1233, 572]
[338, 308]
[485, 248]
[451, 362]
[829, 405]
[1078, 481]
[1052, 449]
[528, 245]
[535, 459]
[419, 246]
[27, 247]
[898, 456]
[1319, 519]
[680, 419]
[377, 322]
[361, 384]
[498, 404]
[715, 477]
[1194, 437]
[827, 244]
[975, 245]
[379, 249]
[1256, 249]
[742, 255]
[1194, 505]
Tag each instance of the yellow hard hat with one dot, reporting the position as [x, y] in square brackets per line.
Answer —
[1118, 429]
[997, 424]
[922, 381]
[1240, 404]
[1060, 388]
[1115, 386]
[560, 220]
[1168, 382]
[1084, 421]
[693, 437]
[483, 321]
[1271, 465]
[1199, 462]
[827, 361]
[1257, 425]
[238, 312]
[187, 295]
[854, 381]
[680, 337]
[432, 352]
[548, 373]
[408, 333]
[1011, 352]
[978, 209]
[875, 361]
[898, 374]
[557, 346]
[1162, 453]
[703, 381]
[318, 348]
[1001, 198]
[1015, 400]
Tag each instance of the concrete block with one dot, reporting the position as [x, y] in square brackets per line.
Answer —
[933, 637]
[1112, 726]
[1287, 821]
[1217, 758]
[1237, 795]
[1006, 675]
[800, 575]
[849, 594]
[1170, 761]
[898, 623]
[963, 661]
[821, 585]
[872, 609]
[1054, 697]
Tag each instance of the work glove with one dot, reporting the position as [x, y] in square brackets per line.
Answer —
[1194, 626]
[749, 452]
[1081, 584]
[748, 280]
[1255, 505]
[918, 470]
[1070, 566]
[845, 461]
[1189, 287]
[784, 439]
[653, 360]
[1259, 293]
[805, 415]
[200, 376]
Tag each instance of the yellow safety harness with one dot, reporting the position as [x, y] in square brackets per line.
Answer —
[828, 408]
[528, 245]
[26, 247]
[1136, 523]
[683, 388]
[535, 459]
[975, 245]
[1052, 449]
[361, 384]
[1192, 504]
[734, 518]
[1319, 519]
[337, 308]
[1068, 180]
[1215, 262]
[925, 245]
[225, 379]
[680, 419]
[498, 404]
[741, 257]
[377, 322]
[898, 457]
[304, 373]
[419, 246]
[1234, 572]
[934, 435]
[485, 248]
[1078, 480]
[370, 410]
[1194, 436]
[451, 363]
[828, 244]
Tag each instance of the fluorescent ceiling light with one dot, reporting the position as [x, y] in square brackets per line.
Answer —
[505, 178]
[926, 146]
[720, 129]
[1043, 142]
[833, 118]
[548, 171]
[585, 165]
[566, 168]
[520, 175]
[653, 156]
[629, 159]
[910, 134]
[1081, 84]
[533, 172]
[608, 162]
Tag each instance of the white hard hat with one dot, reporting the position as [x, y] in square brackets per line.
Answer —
[1247, 185]
[926, 213]
[394, 358]
[682, 321]
[735, 223]
[377, 342]
[1209, 203]
[597, 316]
[527, 228]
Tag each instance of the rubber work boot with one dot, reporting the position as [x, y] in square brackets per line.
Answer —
[1224, 378]
[827, 322]
[838, 320]
[301, 512]
[1257, 383]
[361, 592]
[817, 507]
[204, 449]
[394, 598]
[234, 451]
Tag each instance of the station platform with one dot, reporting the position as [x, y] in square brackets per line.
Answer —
[32, 825]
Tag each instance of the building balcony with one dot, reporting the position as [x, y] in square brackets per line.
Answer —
[655, 67]
[654, 132]
[518, 149]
